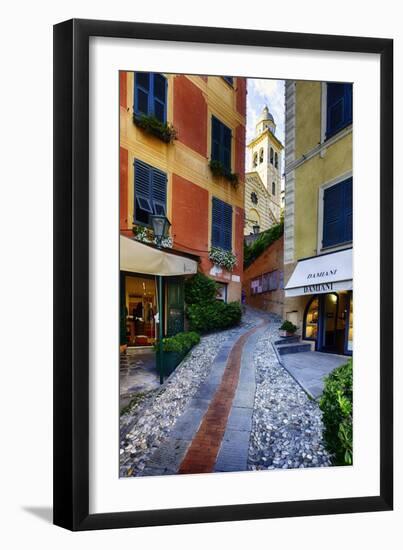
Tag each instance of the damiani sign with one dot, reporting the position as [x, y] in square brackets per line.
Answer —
[322, 287]
[322, 274]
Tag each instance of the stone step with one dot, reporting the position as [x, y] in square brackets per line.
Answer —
[287, 340]
[296, 347]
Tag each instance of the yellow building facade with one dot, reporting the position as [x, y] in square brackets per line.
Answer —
[318, 213]
[191, 103]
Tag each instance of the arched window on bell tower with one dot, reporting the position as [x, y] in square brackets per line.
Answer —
[275, 160]
[271, 155]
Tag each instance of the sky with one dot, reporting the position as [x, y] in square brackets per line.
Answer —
[263, 92]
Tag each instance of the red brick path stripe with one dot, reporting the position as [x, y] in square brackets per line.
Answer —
[202, 453]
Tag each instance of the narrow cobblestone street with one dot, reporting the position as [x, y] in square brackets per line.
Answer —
[230, 406]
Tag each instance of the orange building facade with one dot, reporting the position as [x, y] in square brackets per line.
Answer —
[263, 281]
[193, 198]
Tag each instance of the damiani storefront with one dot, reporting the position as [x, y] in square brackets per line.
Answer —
[321, 290]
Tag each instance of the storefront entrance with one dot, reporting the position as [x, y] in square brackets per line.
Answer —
[139, 296]
[328, 320]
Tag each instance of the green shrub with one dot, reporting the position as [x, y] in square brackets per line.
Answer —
[200, 289]
[265, 239]
[288, 326]
[214, 315]
[180, 343]
[336, 404]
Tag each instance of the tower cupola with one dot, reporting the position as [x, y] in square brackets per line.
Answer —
[265, 122]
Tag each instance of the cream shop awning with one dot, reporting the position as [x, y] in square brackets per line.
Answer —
[326, 273]
[140, 258]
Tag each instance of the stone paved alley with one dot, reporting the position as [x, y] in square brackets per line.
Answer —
[230, 406]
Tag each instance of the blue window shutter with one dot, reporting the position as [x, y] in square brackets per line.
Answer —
[142, 93]
[226, 147]
[226, 227]
[333, 218]
[348, 209]
[216, 223]
[338, 214]
[339, 107]
[159, 98]
[159, 191]
[221, 230]
[150, 192]
[348, 94]
[215, 139]
[150, 95]
[229, 79]
[142, 191]
[142, 179]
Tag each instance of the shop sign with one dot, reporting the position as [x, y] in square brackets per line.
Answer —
[320, 287]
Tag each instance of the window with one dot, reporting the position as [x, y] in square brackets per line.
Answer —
[339, 107]
[254, 198]
[229, 80]
[221, 143]
[256, 286]
[275, 160]
[221, 231]
[150, 191]
[261, 156]
[338, 213]
[150, 95]
[221, 291]
[266, 283]
[273, 187]
[271, 155]
[255, 160]
[273, 280]
[311, 319]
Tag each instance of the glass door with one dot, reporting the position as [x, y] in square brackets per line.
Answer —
[329, 324]
[312, 319]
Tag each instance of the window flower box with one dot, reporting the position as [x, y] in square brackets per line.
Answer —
[219, 170]
[150, 124]
[223, 258]
[146, 235]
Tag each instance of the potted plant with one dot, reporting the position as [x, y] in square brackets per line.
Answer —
[175, 348]
[287, 329]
